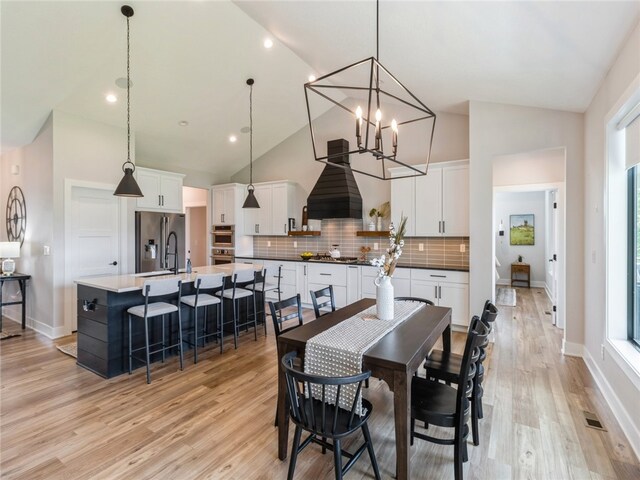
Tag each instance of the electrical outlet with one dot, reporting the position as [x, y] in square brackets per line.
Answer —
[46, 250]
[602, 351]
[463, 248]
[268, 243]
[375, 246]
[421, 247]
[295, 244]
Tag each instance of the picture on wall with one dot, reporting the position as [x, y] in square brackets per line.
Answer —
[522, 229]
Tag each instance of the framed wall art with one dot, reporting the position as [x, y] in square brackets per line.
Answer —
[522, 229]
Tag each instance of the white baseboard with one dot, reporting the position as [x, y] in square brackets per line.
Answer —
[503, 281]
[507, 283]
[538, 284]
[572, 349]
[43, 328]
[625, 421]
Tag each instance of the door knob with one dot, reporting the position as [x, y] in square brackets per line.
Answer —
[113, 263]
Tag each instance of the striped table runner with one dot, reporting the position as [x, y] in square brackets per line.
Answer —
[337, 352]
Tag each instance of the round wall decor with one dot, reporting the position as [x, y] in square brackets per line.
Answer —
[16, 215]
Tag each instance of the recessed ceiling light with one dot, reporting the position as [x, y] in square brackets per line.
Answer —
[312, 78]
[268, 43]
[111, 98]
[233, 138]
[183, 123]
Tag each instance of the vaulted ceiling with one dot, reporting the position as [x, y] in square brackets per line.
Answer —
[190, 60]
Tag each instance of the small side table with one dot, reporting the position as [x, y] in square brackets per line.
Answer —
[21, 278]
[520, 273]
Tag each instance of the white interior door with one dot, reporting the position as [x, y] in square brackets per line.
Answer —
[92, 243]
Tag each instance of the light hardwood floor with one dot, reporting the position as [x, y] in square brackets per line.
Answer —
[214, 420]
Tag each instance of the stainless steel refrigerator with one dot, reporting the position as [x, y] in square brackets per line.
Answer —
[160, 241]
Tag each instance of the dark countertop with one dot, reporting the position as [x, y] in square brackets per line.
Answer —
[400, 265]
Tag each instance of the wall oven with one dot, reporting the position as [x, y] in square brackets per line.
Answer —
[222, 236]
[221, 256]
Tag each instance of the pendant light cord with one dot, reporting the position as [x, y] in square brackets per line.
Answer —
[251, 135]
[128, 99]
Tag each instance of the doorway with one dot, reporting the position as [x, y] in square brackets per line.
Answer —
[195, 209]
[533, 181]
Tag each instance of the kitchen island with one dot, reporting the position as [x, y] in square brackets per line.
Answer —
[102, 314]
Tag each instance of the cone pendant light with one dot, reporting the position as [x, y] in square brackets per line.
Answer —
[128, 187]
[251, 201]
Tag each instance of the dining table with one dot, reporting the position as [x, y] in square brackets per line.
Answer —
[394, 359]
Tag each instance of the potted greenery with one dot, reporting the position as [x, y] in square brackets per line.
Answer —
[377, 214]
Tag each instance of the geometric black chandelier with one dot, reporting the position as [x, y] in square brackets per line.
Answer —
[128, 187]
[386, 123]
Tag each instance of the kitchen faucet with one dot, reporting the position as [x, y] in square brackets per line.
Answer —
[175, 252]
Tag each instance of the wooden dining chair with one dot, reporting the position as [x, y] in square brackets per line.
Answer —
[327, 424]
[436, 403]
[445, 366]
[330, 301]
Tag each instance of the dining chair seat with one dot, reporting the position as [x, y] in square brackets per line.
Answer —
[153, 309]
[204, 300]
[434, 402]
[230, 294]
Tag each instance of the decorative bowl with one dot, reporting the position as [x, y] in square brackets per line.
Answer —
[306, 256]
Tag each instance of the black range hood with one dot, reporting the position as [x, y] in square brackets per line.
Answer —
[336, 193]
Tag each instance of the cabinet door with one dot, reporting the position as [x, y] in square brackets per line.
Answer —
[302, 270]
[456, 296]
[229, 206]
[403, 202]
[171, 192]
[149, 183]
[262, 214]
[425, 289]
[279, 210]
[339, 293]
[353, 284]
[455, 201]
[429, 204]
[218, 196]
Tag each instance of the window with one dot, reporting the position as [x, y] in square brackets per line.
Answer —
[634, 255]
[632, 159]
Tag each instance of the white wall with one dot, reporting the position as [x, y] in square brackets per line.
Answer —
[618, 382]
[36, 169]
[497, 130]
[517, 203]
[293, 158]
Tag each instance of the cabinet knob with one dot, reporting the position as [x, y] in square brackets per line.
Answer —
[114, 263]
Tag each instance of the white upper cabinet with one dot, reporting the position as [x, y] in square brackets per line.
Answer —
[403, 193]
[437, 204]
[162, 190]
[226, 208]
[278, 202]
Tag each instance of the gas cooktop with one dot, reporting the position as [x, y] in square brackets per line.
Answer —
[327, 258]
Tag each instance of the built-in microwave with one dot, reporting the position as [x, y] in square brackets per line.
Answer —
[223, 236]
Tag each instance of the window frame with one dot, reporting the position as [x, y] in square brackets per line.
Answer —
[633, 313]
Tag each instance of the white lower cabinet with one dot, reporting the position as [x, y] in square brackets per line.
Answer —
[353, 284]
[322, 275]
[401, 282]
[445, 288]
[302, 274]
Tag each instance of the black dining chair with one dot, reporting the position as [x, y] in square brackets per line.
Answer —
[330, 301]
[327, 424]
[413, 299]
[278, 318]
[436, 403]
[445, 366]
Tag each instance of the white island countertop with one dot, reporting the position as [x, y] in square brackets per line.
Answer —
[135, 281]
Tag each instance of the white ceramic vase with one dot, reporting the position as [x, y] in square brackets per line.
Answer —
[384, 298]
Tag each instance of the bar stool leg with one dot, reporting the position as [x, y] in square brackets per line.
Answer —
[180, 339]
[235, 323]
[195, 332]
[255, 318]
[163, 341]
[146, 344]
[130, 336]
[220, 321]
